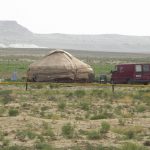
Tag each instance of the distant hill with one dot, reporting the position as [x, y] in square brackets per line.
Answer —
[14, 35]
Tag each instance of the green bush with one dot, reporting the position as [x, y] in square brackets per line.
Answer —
[53, 85]
[140, 108]
[93, 135]
[26, 133]
[62, 105]
[2, 110]
[68, 130]
[6, 142]
[39, 86]
[69, 95]
[13, 112]
[132, 146]
[44, 146]
[44, 108]
[97, 93]
[101, 115]
[5, 92]
[130, 134]
[15, 147]
[105, 126]
[84, 105]
[121, 121]
[1, 136]
[49, 132]
[6, 98]
[98, 147]
[79, 93]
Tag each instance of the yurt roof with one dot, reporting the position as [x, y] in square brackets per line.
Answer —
[59, 58]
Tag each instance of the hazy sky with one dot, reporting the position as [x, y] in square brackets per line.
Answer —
[80, 16]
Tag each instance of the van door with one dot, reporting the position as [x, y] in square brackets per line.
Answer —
[146, 72]
[138, 72]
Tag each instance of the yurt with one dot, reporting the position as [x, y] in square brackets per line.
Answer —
[60, 66]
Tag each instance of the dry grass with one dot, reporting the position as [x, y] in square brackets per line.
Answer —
[44, 112]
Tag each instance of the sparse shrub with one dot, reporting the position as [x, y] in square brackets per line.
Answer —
[48, 130]
[44, 108]
[140, 108]
[69, 95]
[138, 95]
[26, 106]
[62, 105]
[1, 136]
[36, 86]
[47, 116]
[147, 143]
[79, 118]
[5, 92]
[68, 130]
[2, 110]
[100, 147]
[105, 126]
[45, 125]
[6, 99]
[53, 85]
[87, 115]
[117, 95]
[26, 133]
[96, 147]
[118, 110]
[102, 115]
[84, 105]
[83, 132]
[93, 135]
[5, 142]
[30, 134]
[122, 121]
[108, 106]
[132, 146]
[39, 86]
[79, 93]
[75, 148]
[41, 138]
[13, 112]
[130, 134]
[52, 98]
[97, 93]
[15, 147]
[44, 146]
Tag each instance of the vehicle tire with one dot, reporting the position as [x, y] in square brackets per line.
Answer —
[35, 79]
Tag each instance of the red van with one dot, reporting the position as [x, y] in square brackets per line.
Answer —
[131, 73]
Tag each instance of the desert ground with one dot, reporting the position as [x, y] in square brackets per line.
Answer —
[54, 116]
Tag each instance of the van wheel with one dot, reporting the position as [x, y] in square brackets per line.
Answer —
[35, 79]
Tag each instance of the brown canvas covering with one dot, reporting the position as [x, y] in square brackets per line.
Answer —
[59, 65]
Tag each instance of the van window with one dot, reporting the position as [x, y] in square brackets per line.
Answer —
[115, 69]
[146, 68]
[138, 68]
[121, 69]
